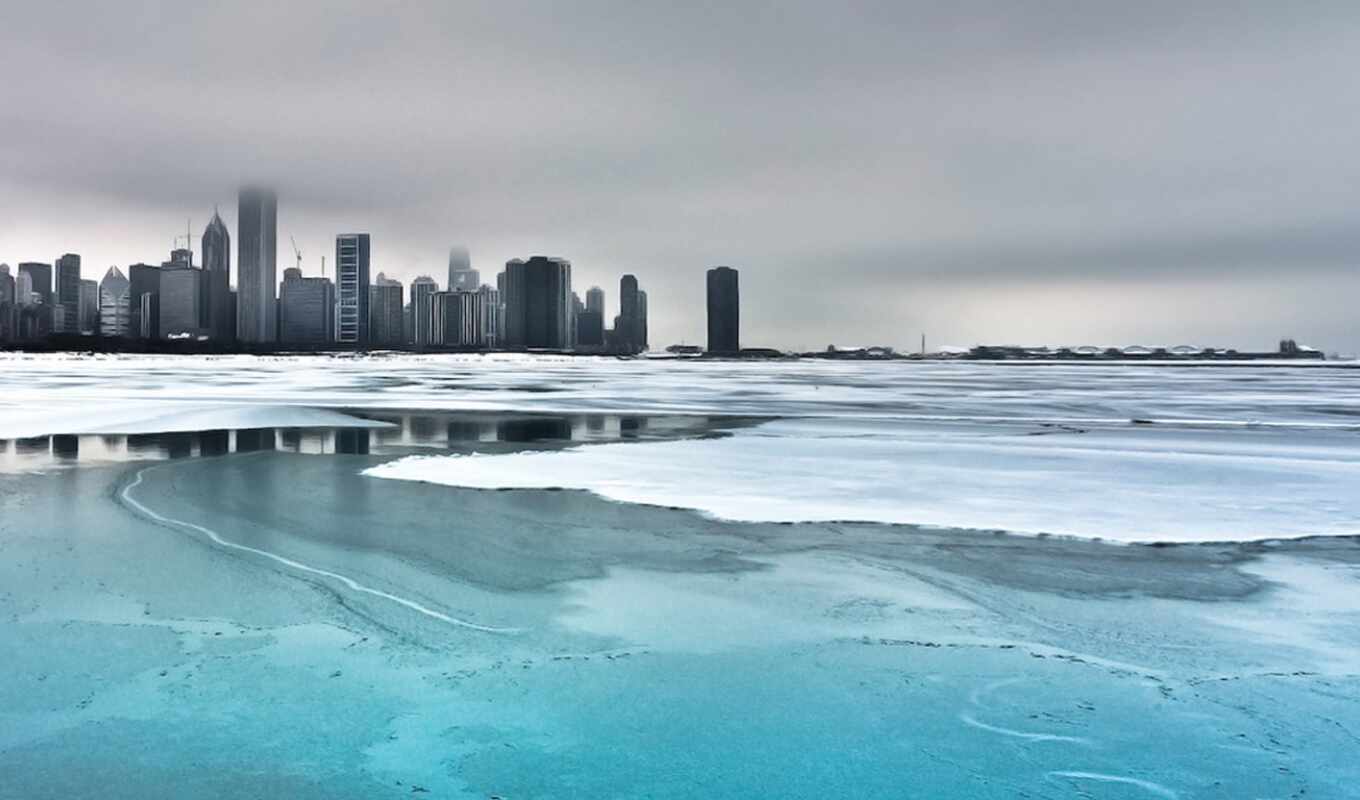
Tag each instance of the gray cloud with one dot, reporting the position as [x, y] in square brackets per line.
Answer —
[857, 161]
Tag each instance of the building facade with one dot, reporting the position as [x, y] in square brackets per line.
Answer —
[537, 299]
[306, 309]
[385, 301]
[462, 277]
[66, 308]
[422, 310]
[115, 312]
[143, 279]
[457, 319]
[724, 311]
[216, 255]
[256, 258]
[351, 289]
[181, 302]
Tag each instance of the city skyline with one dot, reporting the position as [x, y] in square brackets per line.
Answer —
[1043, 174]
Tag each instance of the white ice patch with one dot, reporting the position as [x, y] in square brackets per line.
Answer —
[1130, 483]
[167, 417]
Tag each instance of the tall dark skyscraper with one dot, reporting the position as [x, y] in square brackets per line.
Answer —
[306, 309]
[628, 331]
[724, 311]
[256, 256]
[216, 254]
[384, 312]
[67, 309]
[351, 288]
[457, 319]
[537, 298]
[40, 276]
[144, 279]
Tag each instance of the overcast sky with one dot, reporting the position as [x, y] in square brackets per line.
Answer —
[1036, 172]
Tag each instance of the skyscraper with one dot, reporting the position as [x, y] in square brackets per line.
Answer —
[384, 312]
[491, 312]
[40, 276]
[216, 254]
[89, 307]
[642, 321]
[462, 277]
[182, 305]
[144, 279]
[422, 310]
[724, 311]
[115, 313]
[67, 305]
[595, 300]
[537, 298]
[457, 319]
[256, 255]
[306, 309]
[627, 329]
[351, 288]
[9, 310]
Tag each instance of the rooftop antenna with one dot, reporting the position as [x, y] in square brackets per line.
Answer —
[297, 252]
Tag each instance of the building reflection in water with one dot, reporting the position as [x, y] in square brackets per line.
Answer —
[352, 440]
[66, 447]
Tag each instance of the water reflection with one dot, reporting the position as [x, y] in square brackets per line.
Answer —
[403, 432]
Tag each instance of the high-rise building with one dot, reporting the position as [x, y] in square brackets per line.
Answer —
[115, 313]
[491, 313]
[724, 311]
[422, 310]
[149, 316]
[462, 277]
[144, 279]
[537, 298]
[182, 302]
[351, 288]
[23, 289]
[256, 256]
[9, 309]
[67, 305]
[641, 328]
[595, 300]
[589, 329]
[627, 327]
[385, 312]
[457, 319]
[306, 309]
[40, 275]
[89, 307]
[216, 254]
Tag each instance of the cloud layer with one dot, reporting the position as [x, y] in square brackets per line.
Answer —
[1040, 171]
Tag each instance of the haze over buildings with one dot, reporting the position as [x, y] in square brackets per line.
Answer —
[1039, 173]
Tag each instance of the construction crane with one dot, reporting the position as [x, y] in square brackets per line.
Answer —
[297, 252]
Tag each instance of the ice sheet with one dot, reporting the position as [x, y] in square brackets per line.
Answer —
[1131, 483]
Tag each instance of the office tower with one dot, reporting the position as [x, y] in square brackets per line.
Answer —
[351, 288]
[422, 310]
[6, 285]
[306, 309]
[595, 300]
[66, 308]
[115, 312]
[462, 277]
[537, 298]
[23, 290]
[143, 280]
[256, 254]
[627, 328]
[40, 275]
[589, 329]
[457, 319]
[724, 310]
[9, 309]
[491, 312]
[216, 255]
[642, 321]
[182, 301]
[89, 307]
[385, 312]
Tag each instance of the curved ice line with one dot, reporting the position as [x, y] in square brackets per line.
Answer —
[349, 582]
[968, 719]
[1154, 788]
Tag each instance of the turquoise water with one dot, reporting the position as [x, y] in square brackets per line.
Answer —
[640, 652]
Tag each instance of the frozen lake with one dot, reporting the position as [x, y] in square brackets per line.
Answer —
[552, 577]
